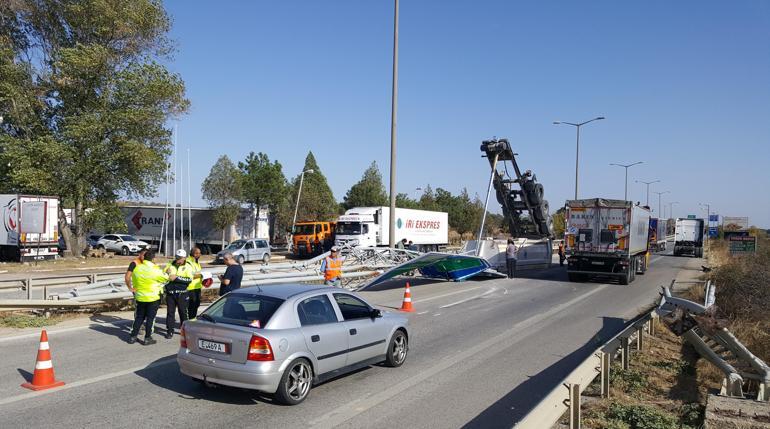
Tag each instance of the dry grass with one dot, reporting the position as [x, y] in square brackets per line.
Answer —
[662, 389]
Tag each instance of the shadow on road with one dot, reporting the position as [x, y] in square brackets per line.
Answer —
[515, 405]
[164, 373]
[120, 328]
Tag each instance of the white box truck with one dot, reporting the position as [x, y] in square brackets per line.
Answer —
[606, 238]
[30, 227]
[688, 237]
[369, 226]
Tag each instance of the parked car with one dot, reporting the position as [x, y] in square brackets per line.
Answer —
[93, 241]
[283, 339]
[246, 251]
[119, 243]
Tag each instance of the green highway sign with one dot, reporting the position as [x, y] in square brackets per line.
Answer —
[742, 244]
[690, 216]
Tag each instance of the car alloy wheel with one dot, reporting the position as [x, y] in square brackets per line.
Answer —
[399, 349]
[124, 251]
[298, 381]
[241, 259]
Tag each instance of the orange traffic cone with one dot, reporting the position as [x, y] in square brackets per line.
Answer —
[407, 304]
[43, 377]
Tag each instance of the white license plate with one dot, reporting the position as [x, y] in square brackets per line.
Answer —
[212, 346]
[597, 262]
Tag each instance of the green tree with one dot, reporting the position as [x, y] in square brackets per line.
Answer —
[403, 201]
[559, 223]
[317, 200]
[428, 200]
[86, 101]
[368, 192]
[222, 190]
[264, 184]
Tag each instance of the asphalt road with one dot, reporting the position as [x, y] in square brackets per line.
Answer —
[482, 353]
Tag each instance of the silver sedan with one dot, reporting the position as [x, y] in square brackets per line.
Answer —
[282, 339]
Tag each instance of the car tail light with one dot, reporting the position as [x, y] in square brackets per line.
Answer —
[259, 349]
[182, 338]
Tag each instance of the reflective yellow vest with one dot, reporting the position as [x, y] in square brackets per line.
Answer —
[148, 279]
[196, 268]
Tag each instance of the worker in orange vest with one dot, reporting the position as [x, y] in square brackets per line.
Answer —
[331, 267]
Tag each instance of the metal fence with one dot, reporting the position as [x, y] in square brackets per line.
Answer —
[565, 397]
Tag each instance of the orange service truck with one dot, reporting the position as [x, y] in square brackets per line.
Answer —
[312, 238]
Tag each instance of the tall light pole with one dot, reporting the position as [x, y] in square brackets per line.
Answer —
[671, 208]
[626, 166]
[708, 223]
[648, 189]
[299, 193]
[577, 144]
[659, 194]
[393, 116]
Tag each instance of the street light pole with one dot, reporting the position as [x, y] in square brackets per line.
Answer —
[393, 116]
[708, 224]
[671, 208]
[659, 194]
[577, 144]
[626, 166]
[299, 193]
[648, 189]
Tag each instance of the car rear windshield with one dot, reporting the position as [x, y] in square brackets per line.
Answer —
[243, 309]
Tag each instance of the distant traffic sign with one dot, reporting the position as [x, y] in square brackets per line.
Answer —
[713, 231]
[714, 218]
[690, 216]
[742, 244]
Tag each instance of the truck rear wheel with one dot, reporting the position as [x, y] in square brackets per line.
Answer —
[628, 277]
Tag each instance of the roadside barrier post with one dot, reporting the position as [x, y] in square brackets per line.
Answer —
[574, 406]
[625, 353]
[28, 285]
[605, 374]
[640, 339]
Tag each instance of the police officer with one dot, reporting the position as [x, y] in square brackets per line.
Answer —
[147, 280]
[331, 267]
[180, 276]
[129, 271]
[194, 289]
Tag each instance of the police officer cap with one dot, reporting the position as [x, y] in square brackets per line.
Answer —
[181, 253]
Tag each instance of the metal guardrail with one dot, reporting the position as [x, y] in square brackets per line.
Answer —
[565, 397]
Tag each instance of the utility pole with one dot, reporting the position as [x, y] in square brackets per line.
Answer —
[671, 208]
[577, 144]
[708, 224]
[626, 166]
[393, 117]
[659, 194]
[648, 189]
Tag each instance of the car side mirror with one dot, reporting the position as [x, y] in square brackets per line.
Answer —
[375, 313]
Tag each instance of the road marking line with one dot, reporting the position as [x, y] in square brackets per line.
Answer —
[447, 294]
[437, 314]
[86, 382]
[345, 412]
[422, 312]
[470, 299]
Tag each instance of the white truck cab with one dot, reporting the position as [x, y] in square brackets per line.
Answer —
[369, 226]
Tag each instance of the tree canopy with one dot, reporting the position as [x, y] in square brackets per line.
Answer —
[264, 184]
[85, 101]
[317, 200]
[368, 192]
[222, 190]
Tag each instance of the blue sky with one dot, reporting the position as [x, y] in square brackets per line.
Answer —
[685, 87]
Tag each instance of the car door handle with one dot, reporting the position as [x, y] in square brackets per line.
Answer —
[353, 332]
[315, 338]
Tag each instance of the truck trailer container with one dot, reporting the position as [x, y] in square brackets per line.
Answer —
[147, 223]
[658, 234]
[606, 238]
[369, 227]
[30, 227]
[688, 237]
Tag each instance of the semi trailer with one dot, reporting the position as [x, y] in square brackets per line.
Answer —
[30, 227]
[606, 238]
[688, 237]
[369, 227]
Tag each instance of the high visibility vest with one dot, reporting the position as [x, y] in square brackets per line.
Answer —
[148, 280]
[333, 268]
[196, 268]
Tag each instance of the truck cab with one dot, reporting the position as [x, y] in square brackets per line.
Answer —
[357, 230]
[312, 237]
